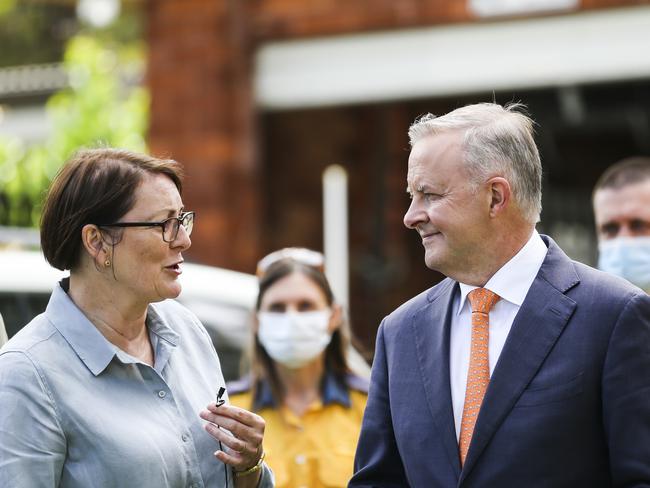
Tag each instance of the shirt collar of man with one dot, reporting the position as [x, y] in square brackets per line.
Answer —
[513, 280]
[332, 391]
[94, 350]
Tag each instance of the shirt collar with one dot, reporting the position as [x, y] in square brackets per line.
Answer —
[163, 338]
[335, 392]
[513, 280]
[94, 350]
[84, 338]
[332, 391]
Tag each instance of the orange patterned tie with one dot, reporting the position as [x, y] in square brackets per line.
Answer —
[478, 376]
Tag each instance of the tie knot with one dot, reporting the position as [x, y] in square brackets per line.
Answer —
[482, 300]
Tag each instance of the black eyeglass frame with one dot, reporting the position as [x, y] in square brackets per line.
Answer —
[160, 224]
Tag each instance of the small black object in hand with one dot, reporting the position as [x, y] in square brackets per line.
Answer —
[220, 401]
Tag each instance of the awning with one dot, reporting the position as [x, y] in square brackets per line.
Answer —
[440, 61]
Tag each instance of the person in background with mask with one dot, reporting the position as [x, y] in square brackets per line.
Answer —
[621, 202]
[300, 380]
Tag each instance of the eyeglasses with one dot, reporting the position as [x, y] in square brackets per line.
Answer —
[169, 226]
[299, 254]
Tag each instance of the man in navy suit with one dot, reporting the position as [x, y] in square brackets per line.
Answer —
[522, 368]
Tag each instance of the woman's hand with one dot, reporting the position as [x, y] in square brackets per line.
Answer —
[243, 439]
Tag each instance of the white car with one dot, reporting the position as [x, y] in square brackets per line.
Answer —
[222, 299]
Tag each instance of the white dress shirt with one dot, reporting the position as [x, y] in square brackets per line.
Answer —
[511, 283]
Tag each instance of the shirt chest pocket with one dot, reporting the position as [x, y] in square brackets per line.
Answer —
[542, 394]
[330, 469]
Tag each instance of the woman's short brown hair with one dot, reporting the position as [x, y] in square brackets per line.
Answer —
[95, 185]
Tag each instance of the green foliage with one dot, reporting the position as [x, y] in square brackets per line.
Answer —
[104, 106]
[7, 6]
[34, 32]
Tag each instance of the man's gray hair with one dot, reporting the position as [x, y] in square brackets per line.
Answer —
[497, 141]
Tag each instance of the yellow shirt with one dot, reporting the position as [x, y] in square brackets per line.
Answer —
[317, 449]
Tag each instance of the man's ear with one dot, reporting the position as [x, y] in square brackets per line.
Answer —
[93, 242]
[500, 194]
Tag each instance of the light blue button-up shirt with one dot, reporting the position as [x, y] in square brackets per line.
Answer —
[76, 411]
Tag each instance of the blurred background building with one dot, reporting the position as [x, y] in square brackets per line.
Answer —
[258, 97]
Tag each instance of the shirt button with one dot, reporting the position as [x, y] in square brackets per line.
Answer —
[300, 459]
[162, 393]
[185, 437]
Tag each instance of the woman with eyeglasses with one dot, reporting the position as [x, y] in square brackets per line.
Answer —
[300, 381]
[115, 385]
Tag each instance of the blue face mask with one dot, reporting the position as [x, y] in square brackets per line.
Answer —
[628, 257]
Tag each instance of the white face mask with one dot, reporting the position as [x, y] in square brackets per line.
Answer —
[628, 257]
[294, 338]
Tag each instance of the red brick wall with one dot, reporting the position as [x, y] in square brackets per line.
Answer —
[202, 115]
[590, 4]
[202, 110]
[278, 19]
[287, 18]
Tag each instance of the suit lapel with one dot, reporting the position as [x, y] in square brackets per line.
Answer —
[537, 326]
[431, 325]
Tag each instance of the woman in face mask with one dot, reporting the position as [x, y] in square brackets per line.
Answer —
[300, 382]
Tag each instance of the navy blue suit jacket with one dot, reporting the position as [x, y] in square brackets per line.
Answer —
[568, 404]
